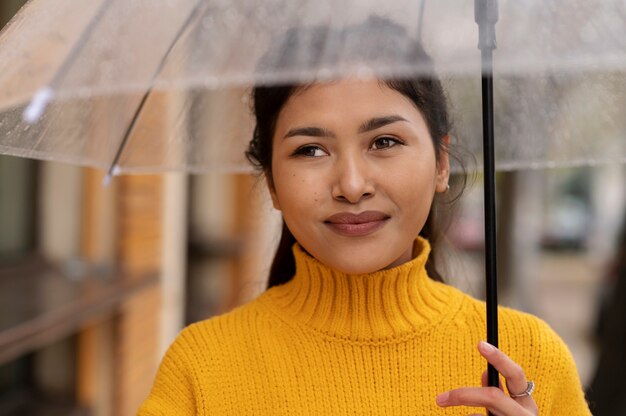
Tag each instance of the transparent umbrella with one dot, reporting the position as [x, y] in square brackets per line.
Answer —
[157, 85]
[165, 81]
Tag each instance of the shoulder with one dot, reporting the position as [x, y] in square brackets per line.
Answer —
[546, 359]
[517, 325]
[224, 330]
[526, 338]
[218, 343]
[530, 338]
[203, 358]
[514, 325]
[523, 336]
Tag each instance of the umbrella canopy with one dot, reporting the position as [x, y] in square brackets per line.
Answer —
[169, 79]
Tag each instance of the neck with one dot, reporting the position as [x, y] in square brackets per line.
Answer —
[389, 303]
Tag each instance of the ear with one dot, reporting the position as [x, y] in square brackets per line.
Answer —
[443, 165]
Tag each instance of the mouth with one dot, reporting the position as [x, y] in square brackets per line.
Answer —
[357, 225]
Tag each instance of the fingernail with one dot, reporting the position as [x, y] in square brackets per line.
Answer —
[443, 398]
[486, 347]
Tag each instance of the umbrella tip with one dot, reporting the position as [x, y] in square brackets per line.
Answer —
[107, 180]
[33, 112]
[115, 170]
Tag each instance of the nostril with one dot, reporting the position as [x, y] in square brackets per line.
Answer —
[344, 198]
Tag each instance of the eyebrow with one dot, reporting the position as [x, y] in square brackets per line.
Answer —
[309, 131]
[378, 122]
[369, 125]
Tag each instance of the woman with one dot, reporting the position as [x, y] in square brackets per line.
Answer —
[356, 319]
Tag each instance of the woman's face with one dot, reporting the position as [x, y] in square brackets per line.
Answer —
[355, 173]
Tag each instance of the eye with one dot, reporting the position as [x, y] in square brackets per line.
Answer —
[309, 151]
[385, 142]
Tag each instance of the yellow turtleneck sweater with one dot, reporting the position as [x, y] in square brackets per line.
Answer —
[327, 343]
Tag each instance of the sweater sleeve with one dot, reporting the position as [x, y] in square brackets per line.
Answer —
[172, 392]
[569, 389]
[567, 397]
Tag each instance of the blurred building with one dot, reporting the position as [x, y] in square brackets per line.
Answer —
[95, 282]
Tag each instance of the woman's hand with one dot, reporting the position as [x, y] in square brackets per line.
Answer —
[493, 398]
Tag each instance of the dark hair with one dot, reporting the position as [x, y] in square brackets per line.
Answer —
[378, 39]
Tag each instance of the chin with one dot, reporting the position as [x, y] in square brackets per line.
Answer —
[360, 257]
[357, 265]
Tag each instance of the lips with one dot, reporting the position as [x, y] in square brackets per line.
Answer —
[355, 225]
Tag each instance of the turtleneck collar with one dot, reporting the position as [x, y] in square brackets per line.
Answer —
[390, 303]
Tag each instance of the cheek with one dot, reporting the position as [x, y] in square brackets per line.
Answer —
[413, 185]
[296, 193]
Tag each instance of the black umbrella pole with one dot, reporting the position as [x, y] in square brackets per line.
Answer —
[490, 214]
[486, 15]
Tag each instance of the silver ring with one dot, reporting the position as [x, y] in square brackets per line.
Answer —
[529, 391]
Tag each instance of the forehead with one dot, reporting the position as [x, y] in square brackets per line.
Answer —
[345, 100]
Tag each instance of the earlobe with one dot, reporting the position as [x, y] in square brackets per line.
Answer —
[442, 184]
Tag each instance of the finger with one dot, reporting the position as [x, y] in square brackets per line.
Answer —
[516, 381]
[484, 380]
[514, 375]
[492, 398]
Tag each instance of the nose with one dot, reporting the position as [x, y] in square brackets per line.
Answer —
[352, 180]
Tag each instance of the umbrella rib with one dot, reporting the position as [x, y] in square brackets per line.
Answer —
[33, 112]
[113, 167]
[420, 22]
[58, 76]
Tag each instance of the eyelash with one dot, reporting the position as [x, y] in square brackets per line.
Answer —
[301, 151]
[393, 140]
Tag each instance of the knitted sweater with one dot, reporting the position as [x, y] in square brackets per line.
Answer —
[327, 343]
